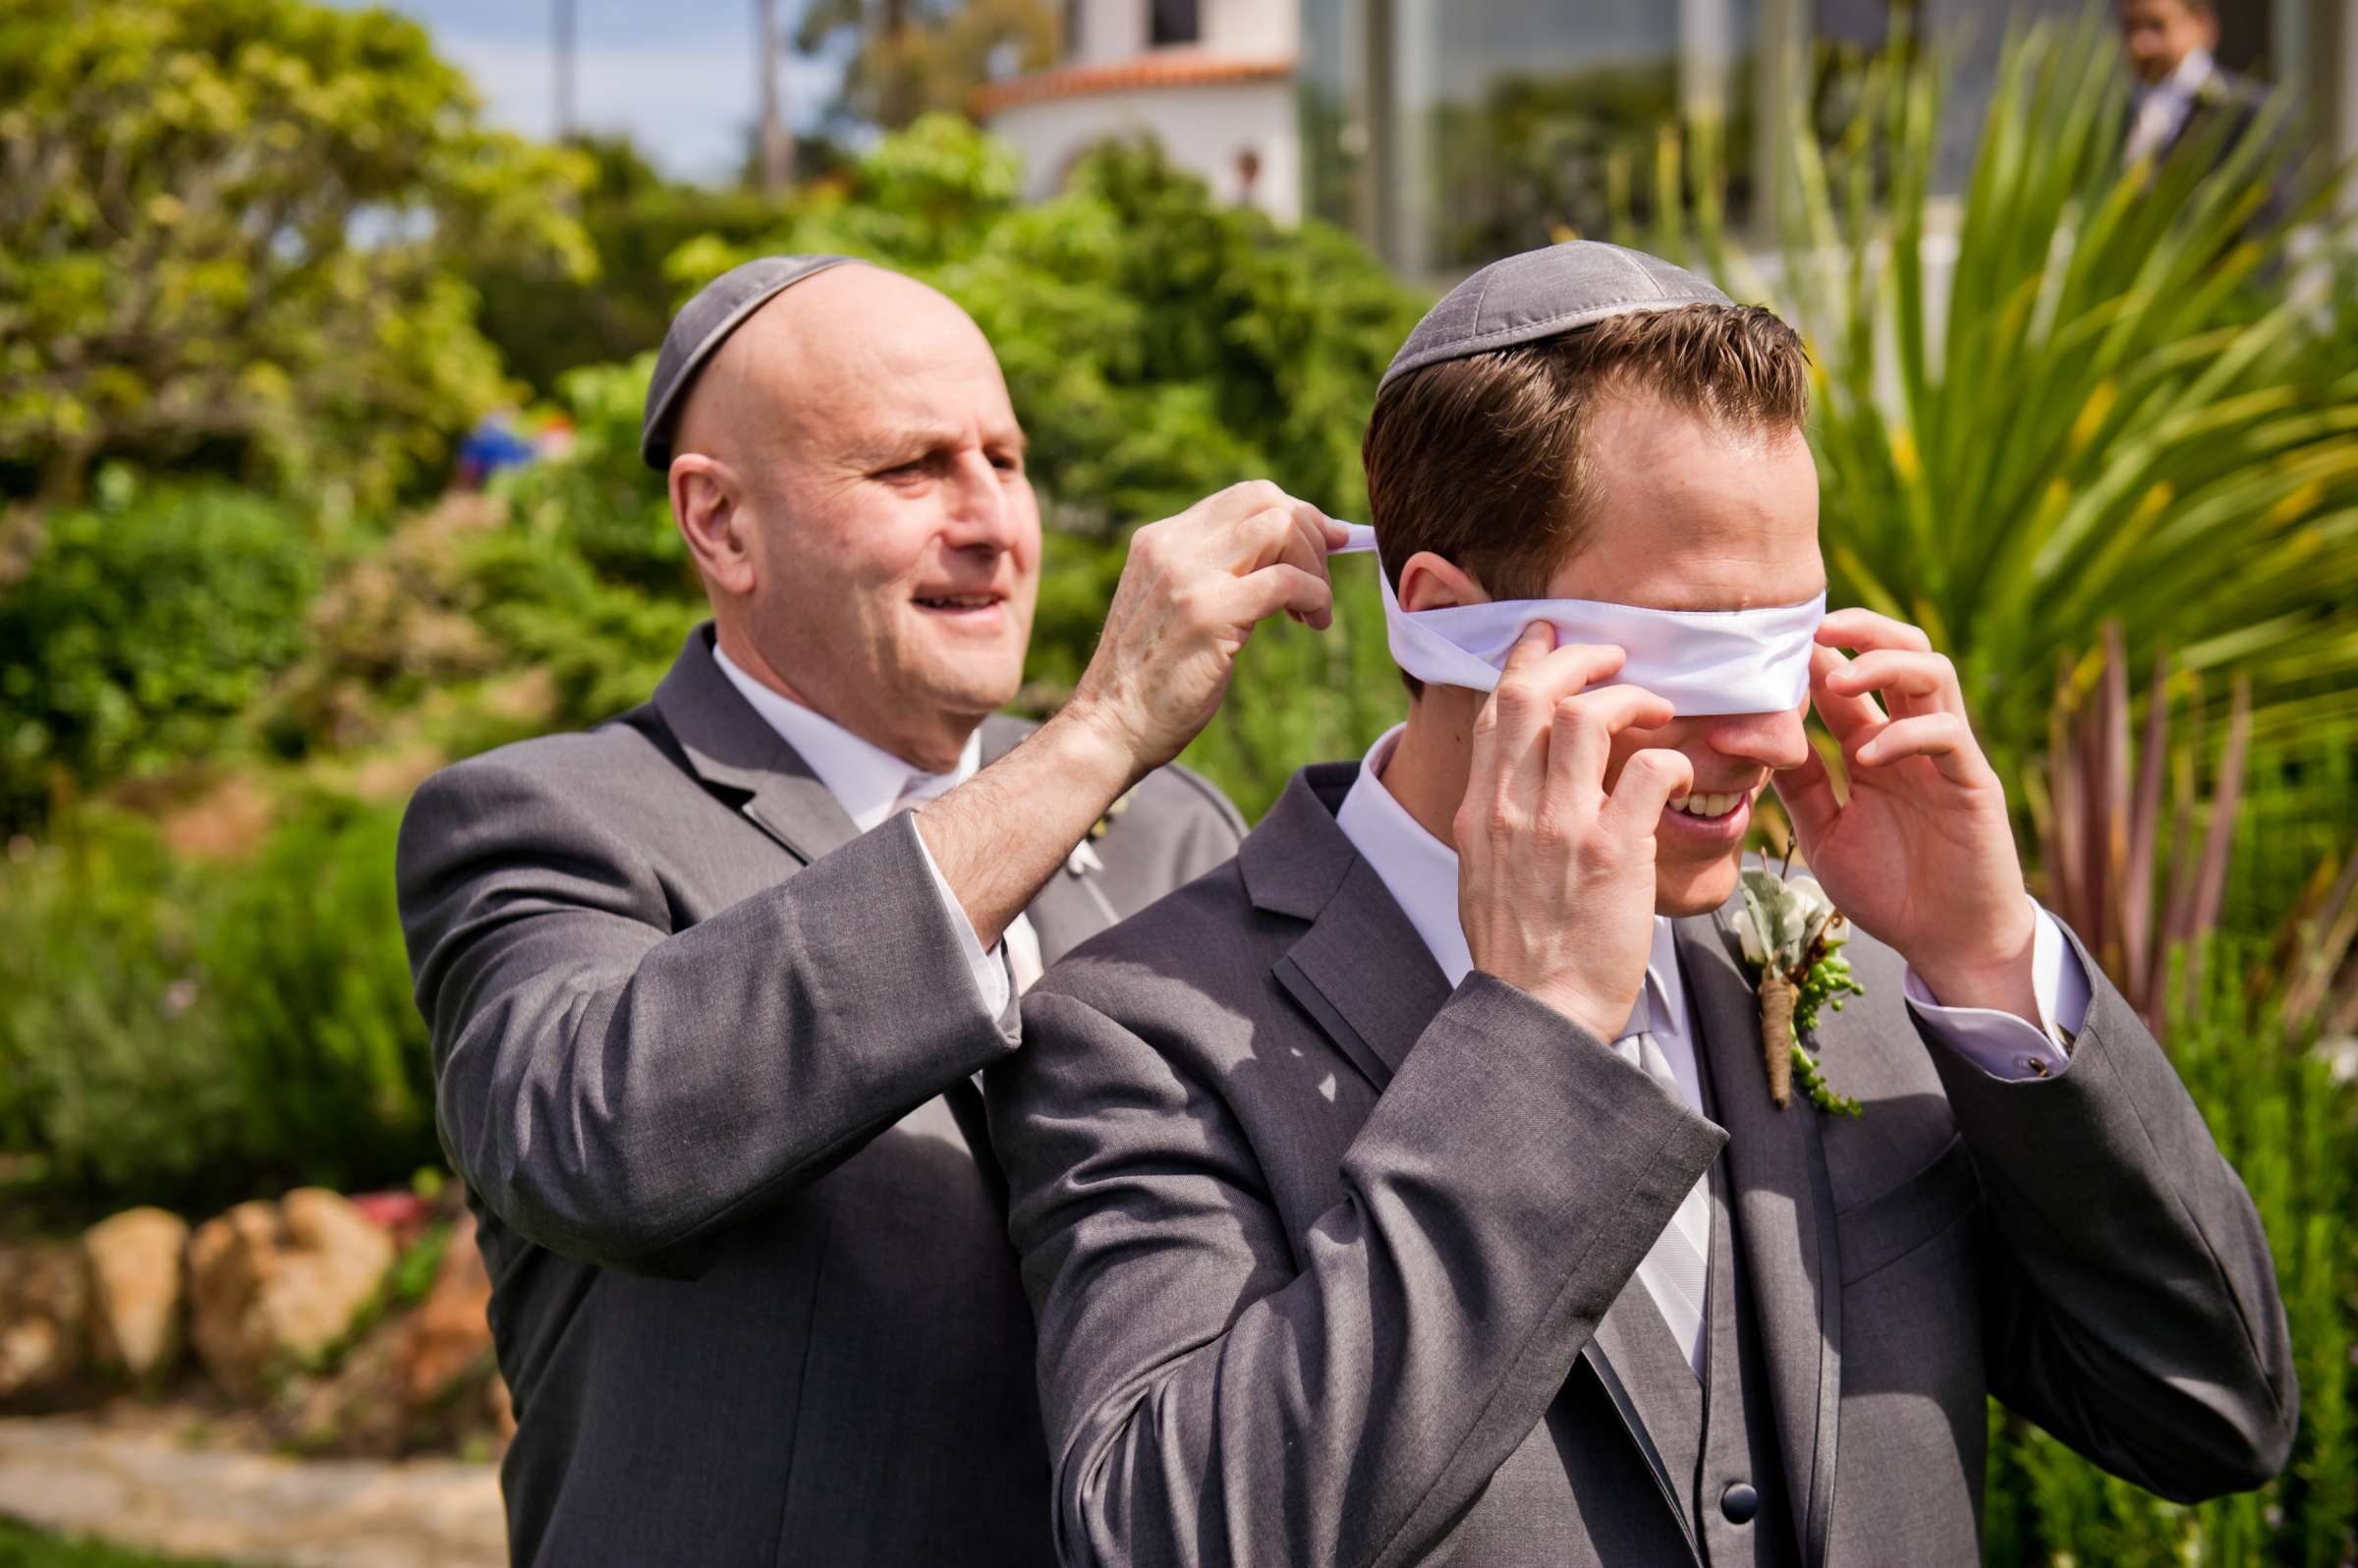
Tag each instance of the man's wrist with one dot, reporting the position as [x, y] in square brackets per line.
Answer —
[1093, 753]
[2002, 980]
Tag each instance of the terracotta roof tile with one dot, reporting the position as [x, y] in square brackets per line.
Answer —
[1161, 69]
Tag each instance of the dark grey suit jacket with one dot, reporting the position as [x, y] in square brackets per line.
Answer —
[1315, 1245]
[692, 1043]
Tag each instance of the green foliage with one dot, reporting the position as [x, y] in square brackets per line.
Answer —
[2293, 1134]
[229, 225]
[545, 316]
[23, 1546]
[193, 1032]
[915, 56]
[2111, 407]
[142, 629]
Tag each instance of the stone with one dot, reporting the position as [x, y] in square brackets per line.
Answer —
[43, 1298]
[449, 1336]
[271, 1286]
[137, 1303]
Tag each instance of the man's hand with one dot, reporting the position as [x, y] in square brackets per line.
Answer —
[1193, 590]
[1555, 890]
[1921, 855]
[1194, 587]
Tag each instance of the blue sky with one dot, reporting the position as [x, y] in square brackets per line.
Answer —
[676, 75]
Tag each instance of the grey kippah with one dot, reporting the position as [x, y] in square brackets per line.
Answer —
[1541, 294]
[704, 323]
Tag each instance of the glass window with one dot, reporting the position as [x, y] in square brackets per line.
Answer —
[1175, 22]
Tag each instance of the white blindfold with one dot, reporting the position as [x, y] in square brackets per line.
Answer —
[1700, 661]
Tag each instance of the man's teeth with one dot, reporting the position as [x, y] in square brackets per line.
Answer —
[961, 601]
[1707, 805]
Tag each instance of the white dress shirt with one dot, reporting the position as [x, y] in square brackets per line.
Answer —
[1420, 871]
[869, 783]
[2162, 107]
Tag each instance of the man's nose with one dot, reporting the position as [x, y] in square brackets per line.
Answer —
[981, 514]
[1774, 741]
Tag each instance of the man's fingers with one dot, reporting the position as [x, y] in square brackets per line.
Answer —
[1650, 780]
[1488, 762]
[1808, 792]
[1865, 629]
[1527, 702]
[1850, 716]
[1946, 738]
[1306, 595]
[1927, 680]
[1580, 737]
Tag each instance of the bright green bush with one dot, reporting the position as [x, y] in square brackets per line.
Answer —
[144, 626]
[2293, 1134]
[198, 1032]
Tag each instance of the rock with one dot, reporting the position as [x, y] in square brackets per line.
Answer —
[423, 1381]
[136, 1299]
[274, 1285]
[42, 1300]
[449, 1336]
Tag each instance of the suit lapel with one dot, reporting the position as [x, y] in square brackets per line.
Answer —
[738, 755]
[1361, 970]
[1784, 1215]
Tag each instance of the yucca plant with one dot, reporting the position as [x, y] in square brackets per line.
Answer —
[2113, 407]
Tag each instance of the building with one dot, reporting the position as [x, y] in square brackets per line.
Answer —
[1211, 80]
[1446, 133]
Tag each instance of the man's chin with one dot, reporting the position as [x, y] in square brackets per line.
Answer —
[1695, 889]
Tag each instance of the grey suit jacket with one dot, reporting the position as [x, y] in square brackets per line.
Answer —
[1315, 1243]
[692, 1043]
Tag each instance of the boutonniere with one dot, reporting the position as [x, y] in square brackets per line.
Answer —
[1792, 936]
[1085, 858]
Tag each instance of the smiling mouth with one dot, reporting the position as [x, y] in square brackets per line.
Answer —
[1710, 807]
[959, 602]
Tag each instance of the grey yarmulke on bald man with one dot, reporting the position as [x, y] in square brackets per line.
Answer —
[704, 323]
[1543, 293]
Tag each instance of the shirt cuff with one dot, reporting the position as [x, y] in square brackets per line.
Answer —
[991, 982]
[2000, 1044]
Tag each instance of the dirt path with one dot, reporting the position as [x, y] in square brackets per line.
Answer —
[141, 1485]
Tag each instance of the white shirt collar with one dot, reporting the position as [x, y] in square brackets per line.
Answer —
[2187, 80]
[865, 779]
[1420, 871]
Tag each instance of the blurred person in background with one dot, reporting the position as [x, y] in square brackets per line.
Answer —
[2181, 89]
[710, 986]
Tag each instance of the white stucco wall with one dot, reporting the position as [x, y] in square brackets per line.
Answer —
[1203, 128]
[1110, 31]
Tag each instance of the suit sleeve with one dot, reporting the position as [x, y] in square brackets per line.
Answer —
[616, 1090]
[2135, 1311]
[1215, 1394]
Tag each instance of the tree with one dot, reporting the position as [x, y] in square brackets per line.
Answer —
[912, 57]
[227, 226]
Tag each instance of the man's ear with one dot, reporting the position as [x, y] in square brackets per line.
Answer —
[1429, 583]
[706, 504]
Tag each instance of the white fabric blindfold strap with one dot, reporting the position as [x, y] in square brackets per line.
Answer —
[1700, 661]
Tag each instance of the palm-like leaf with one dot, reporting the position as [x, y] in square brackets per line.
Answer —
[2113, 409]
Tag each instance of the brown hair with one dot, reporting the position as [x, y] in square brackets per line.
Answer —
[1484, 460]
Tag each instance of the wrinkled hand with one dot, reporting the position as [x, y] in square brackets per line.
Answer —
[1921, 855]
[1194, 587]
[1555, 890]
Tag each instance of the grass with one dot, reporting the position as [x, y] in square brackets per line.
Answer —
[23, 1546]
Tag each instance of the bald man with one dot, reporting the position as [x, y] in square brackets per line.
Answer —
[710, 986]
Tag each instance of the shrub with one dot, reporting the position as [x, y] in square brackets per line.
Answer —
[143, 628]
[196, 1032]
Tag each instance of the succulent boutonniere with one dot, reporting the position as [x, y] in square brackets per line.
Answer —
[1792, 935]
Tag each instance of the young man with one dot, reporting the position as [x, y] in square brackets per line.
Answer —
[1411, 1190]
[2180, 87]
[708, 988]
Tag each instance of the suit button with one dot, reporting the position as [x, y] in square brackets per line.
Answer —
[1739, 1503]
